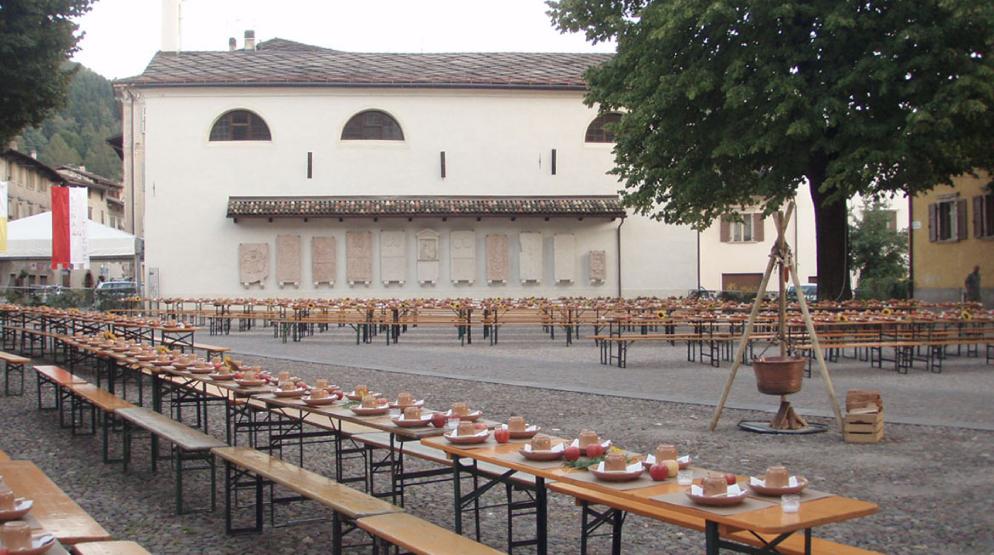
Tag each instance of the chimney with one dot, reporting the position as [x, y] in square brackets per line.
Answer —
[170, 25]
[232, 44]
[249, 40]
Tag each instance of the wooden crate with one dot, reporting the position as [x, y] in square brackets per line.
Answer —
[864, 427]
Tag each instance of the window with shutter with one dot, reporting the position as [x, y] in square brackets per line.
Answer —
[933, 230]
[726, 230]
[947, 222]
[978, 216]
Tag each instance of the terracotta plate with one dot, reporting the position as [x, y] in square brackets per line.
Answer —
[371, 411]
[21, 508]
[802, 483]
[615, 475]
[468, 440]
[541, 455]
[718, 500]
[319, 402]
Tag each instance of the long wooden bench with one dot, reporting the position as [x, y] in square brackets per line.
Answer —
[347, 504]
[378, 518]
[415, 535]
[109, 548]
[188, 445]
[59, 379]
[13, 363]
[586, 497]
[102, 406]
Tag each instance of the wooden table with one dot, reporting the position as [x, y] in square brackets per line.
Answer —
[53, 510]
[771, 520]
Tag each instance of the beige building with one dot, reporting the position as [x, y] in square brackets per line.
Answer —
[105, 203]
[30, 183]
[952, 232]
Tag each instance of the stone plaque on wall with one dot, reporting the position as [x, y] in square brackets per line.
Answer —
[288, 260]
[598, 266]
[253, 263]
[497, 258]
[462, 250]
[427, 256]
[530, 259]
[564, 247]
[393, 256]
[359, 257]
[324, 260]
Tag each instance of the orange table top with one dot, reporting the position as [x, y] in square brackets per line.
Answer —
[771, 520]
[53, 510]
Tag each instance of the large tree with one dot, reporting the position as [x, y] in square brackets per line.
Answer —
[727, 102]
[37, 37]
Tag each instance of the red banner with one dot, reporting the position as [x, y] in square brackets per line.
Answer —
[60, 227]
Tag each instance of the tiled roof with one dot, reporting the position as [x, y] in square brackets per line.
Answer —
[411, 206]
[279, 62]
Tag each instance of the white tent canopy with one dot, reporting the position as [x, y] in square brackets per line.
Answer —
[31, 237]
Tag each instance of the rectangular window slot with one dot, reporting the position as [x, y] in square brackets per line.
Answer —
[310, 165]
[553, 162]
[441, 159]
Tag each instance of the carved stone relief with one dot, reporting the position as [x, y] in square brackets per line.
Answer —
[564, 247]
[324, 260]
[359, 257]
[253, 263]
[288, 260]
[462, 251]
[598, 267]
[393, 256]
[497, 258]
[427, 256]
[530, 259]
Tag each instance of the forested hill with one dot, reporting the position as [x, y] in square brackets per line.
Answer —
[78, 133]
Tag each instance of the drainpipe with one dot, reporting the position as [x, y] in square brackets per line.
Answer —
[698, 260]
[619, 255]
[911, 246]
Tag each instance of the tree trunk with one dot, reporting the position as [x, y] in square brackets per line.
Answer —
[831, 238]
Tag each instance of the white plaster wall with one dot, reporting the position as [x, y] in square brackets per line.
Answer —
[496, 143]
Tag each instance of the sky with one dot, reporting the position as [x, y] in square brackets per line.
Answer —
[121, 36]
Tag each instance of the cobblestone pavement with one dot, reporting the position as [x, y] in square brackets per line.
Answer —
[932, 483]
[959, 396]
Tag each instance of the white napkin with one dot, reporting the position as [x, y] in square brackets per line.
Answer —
[651, 459]
[605, 444]
[792, 482]
[696, 490]
[754, 481]
[555, 448]
[734, 490]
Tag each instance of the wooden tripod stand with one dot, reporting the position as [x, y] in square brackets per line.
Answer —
[782, 261]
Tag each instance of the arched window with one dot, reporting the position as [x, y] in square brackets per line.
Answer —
[240, 125]
[372, 125]
[601, 129]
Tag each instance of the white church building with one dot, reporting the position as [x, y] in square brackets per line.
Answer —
[290, 170]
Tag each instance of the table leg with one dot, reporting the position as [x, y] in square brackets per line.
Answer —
[541, 515]
[457, 492]
[711, 537]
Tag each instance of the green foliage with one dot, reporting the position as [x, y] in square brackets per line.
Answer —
[36, 39]
[77, 134]
[879, 253]
[727, 102]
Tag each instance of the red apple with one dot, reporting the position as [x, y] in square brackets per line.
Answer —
[479, 426]
[502, 435]
[659, 472]
[572, 453]
[730, 478]
[439, 419]
[595, 450]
